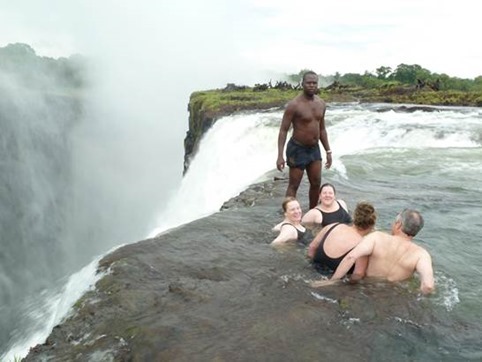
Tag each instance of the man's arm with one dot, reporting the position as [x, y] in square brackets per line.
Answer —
[324, 138]
[425, 271]
[360, 252]
[283, 132]
[365, 248]
[359, 272]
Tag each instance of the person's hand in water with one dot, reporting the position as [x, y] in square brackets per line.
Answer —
[323, 283]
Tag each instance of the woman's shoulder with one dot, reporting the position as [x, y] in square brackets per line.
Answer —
[342, 204]
[336, 227]
[310, 211]
[277, 227]
[280, 225]
[312, 216]
[287, 232]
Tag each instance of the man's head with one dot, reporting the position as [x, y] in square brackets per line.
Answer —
[411, 222]
[310, 83]
[309, 73]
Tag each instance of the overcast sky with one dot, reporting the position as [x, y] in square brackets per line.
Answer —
[258, 35]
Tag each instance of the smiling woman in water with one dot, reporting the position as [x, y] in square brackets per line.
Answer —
[329, 210]
[290, 229]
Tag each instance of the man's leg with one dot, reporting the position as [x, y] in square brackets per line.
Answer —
[295, 176]
[313, 170]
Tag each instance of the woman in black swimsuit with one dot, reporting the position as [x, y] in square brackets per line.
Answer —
[329, 210]
[334, 241]
[290, 229]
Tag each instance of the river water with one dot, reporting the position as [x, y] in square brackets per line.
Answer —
[431, 161]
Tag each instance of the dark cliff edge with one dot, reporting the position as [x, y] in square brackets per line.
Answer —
[206, 107]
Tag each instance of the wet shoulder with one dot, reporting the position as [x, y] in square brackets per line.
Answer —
[293, 104]
[419, 250]
[317, 98]
[376, 236]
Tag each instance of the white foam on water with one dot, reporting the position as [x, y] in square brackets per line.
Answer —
[447, 292]
[323, 298]
[233, 154]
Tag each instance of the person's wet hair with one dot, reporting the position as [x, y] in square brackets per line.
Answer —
[287, 200]
[327, 184]
[412, 221]
[364, 216]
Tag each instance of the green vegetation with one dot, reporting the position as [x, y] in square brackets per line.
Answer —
[410, 84]
[219, 101]
[402, 75]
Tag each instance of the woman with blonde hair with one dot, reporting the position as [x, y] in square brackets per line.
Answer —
[290, 229]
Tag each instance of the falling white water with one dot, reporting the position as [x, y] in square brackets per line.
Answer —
[236, 152]
[49, 309]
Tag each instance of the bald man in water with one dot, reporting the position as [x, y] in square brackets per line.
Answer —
[306, 113]
[391, 257]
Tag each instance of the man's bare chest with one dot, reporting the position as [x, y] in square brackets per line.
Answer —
[309, 114]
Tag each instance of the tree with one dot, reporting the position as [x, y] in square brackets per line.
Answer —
[351, 78]
[409, 74]
[478, 83]
[383, 72]
[297, 78]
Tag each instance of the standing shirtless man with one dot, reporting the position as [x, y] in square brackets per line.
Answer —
[306, 113]
[391, 257]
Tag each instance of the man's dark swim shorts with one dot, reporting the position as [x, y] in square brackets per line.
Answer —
[300, 156]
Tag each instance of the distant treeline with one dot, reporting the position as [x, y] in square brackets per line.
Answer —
[21, 63]
[403, 74]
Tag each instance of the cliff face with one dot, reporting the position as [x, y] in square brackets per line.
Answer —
[199, 122]
[36, 194]
[206, 107]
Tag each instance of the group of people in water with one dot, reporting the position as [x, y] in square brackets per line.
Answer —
[345, 244]
[348, 245]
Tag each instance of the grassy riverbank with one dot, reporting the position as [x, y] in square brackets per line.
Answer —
[223, 101]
